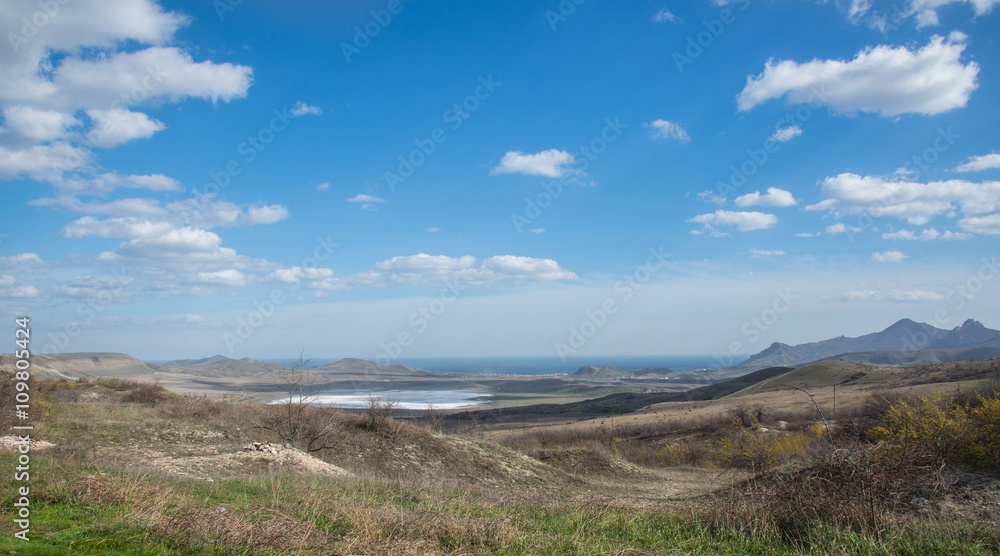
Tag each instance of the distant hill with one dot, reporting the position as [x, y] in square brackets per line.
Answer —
[75, 365]
[611, 372]
[352, 366]
[205, 361]
[907, 339]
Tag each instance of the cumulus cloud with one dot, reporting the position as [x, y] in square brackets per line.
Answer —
[116, 126]
[302, 109]
[38, 125]
[928, 234]
[916, 203]
[980, 163]
[106, 59]
[889, 257]
[742, 221]
[265, 215]
[786, 134]
[885, 80]
[664, 129]
[551, 163]
[230, 277]
[423, 263]
[986, 225]
[296, 274]
[773, 198]
[24, 263]
[367, 202]
[512, 266]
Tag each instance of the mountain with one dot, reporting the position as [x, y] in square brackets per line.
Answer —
[905, 340]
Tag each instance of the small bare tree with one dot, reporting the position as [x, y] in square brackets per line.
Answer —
[297, 421]
[379, 413]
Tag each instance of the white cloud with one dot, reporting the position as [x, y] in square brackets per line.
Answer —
[229, 277]
[296, 274]
[168, 73]
[980, 163]
[885, 80]
[889, 257]
[423, 263]
[773, 198]
[908, 296]
[120, 207]
[838, 228]
[552, 163]
[25, 263]
[786, 134]
[858, 9]
[20, 292]
[325, 186]
[538, 230]
[766, 253]
[929, 234]
[367, 202]
[512, 266]
[101, 57]
[666, 16]
[435, 269]
[301, 109]
[42, 162]
[807, 234]
[265, 215]
[986, 225]
[433, 230]
[914, 202]
[38, 125]
[742, 221]
[664, 129]
[925, 11]
[711, 196]
[101, 184]
[116, 126]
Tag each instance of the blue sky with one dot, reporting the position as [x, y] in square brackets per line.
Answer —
[401, 179]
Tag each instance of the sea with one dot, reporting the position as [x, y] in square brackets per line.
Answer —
[526, 365]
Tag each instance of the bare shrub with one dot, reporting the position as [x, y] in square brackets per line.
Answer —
[379, 414]
[295, 421]
[149, 394]
[432, 419]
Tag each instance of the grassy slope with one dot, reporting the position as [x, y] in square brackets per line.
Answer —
[97, 510]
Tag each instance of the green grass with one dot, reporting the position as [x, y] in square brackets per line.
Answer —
[126, 513]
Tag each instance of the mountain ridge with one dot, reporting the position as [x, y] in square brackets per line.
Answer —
[905, 337]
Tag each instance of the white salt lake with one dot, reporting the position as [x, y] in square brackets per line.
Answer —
[405, 399]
